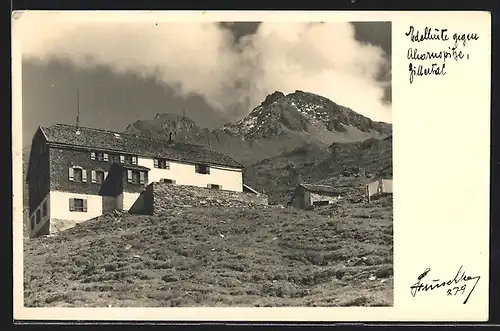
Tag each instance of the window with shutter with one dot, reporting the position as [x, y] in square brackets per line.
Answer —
[93, 176]
[122, 158]
[134, 159]
[77, 174]
[129, 176]
[106, 156]
[100, 177]
[202, 169]
[135, 177]
[84, 205]
[162, 164]
[71, 204]
[71, 174]
[84, 176]
[142, 177]
[92, 155]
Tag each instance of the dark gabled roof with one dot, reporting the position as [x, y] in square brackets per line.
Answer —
[317, 188]
[104, 140]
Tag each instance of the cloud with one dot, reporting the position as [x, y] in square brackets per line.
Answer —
[321, 58]
[232, 75]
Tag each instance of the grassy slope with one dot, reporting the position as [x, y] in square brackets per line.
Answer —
[218, 257]
[26, 155]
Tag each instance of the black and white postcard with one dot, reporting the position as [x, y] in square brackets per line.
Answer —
[251, 166]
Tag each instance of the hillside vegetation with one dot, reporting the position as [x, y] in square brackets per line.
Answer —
[346, 165]
[338, 255]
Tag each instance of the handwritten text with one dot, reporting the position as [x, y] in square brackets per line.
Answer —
[457, 285]
[432, 62]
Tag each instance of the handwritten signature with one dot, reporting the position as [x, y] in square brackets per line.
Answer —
[454, 286]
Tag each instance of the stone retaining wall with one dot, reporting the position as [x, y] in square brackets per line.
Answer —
[158, 198]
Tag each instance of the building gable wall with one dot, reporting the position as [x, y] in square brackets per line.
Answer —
[60, 162]
[38, 172]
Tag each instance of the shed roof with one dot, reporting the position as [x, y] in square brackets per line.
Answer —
[317, 188]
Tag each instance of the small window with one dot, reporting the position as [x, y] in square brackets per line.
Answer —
[44, 209]
[79, 205]
[167, 181]
[161, 164]
[38, 217]
[214, 186]
[75, 174]
[321, 203]
[202, 169]
[102, 157]
[131, 159]
[136, 177]
[99, 177]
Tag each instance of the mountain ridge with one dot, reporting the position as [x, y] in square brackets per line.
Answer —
[279, 124]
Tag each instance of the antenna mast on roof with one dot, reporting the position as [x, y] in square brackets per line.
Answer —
[77, 111]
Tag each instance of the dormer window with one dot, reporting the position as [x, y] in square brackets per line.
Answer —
[99, 156]
[202, 169]
[136, 177]
[161, 164]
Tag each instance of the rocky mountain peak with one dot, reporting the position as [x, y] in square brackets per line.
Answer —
[276, 95]
[163, 124]
[303, 112]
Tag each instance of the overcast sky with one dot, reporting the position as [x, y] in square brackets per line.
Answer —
[216, 72]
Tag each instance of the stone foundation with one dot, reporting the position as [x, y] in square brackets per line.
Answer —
[159, 198]
[58, 225]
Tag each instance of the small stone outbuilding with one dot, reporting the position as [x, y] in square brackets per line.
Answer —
[308, 195]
